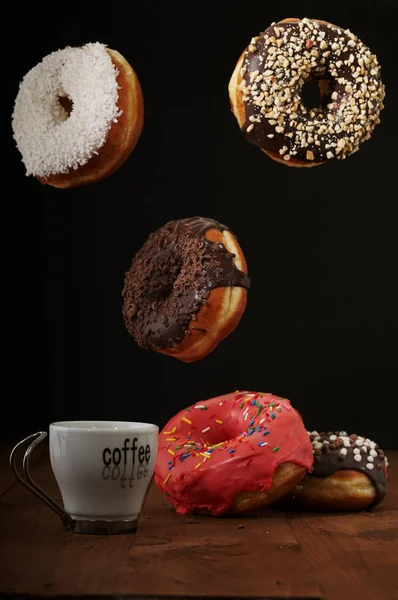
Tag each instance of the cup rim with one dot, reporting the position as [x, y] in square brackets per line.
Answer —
[102, 427]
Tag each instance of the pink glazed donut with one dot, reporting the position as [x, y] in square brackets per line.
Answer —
[231, 454]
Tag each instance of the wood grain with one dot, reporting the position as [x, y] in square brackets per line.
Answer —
[275, 555]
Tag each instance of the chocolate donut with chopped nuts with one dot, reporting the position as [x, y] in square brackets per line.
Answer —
[349, 473]
[186, 289]
[265, 91]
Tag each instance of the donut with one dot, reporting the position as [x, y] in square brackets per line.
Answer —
[77, 116]
[349, 473]
[232, 454]
[265, 92]
[186, 289]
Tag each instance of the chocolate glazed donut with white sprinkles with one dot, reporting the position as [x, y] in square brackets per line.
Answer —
[349, 473]
[265, 92]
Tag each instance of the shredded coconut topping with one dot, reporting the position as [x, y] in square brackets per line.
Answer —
[50, 140]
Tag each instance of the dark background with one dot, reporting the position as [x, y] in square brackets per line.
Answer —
[321, 325]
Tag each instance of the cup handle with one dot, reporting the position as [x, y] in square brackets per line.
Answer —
[28, 481]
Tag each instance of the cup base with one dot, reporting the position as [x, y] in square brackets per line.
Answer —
[104, 527]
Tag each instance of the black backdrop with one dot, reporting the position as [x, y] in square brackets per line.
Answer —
[321, 325]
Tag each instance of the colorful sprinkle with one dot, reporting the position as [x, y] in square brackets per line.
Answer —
[275, 449]
[186, 421]
[171, 439]
[174, 430]
[167, 478]
[266, 433]
[170, 452]
[272, 416]
[198, 465]
[232, 451]
[205, 429]
[167, 432]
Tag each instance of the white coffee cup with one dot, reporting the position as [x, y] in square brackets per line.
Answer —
[103, 470]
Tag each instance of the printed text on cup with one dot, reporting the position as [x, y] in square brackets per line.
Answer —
[126, 464]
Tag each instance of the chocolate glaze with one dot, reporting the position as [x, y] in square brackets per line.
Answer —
[328, 458]
[334, 68]
[171, 278]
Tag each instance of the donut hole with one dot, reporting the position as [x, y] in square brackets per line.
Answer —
[67, 105]
[163, 282]
[311, 93]
[218, 433]
[316, 92]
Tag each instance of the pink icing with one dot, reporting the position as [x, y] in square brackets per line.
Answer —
[196, 475]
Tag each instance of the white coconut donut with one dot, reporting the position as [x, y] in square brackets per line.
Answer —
[77, 116]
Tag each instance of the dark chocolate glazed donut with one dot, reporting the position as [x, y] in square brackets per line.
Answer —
[171, 278]
[336, 451]
[275, 66]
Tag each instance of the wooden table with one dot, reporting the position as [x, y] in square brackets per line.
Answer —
[277, 555]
